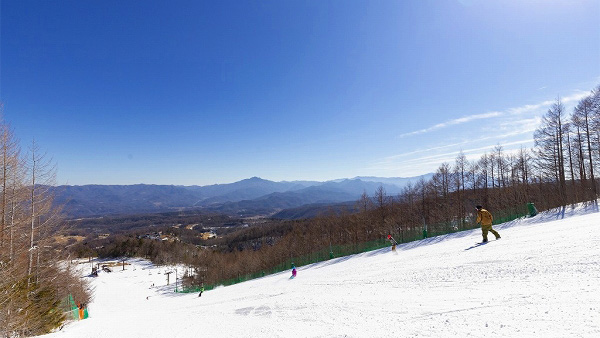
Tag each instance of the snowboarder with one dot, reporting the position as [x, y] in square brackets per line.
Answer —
[485, 218]
[294, 271]
[201, 290]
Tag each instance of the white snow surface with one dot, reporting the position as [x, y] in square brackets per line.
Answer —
[541, 279]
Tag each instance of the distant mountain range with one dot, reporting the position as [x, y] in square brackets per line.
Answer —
[249, 197]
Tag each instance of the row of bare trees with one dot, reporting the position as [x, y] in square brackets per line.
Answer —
[33, 279]
[567, 148]
[561, 169]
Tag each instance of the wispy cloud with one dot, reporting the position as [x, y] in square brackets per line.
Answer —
[576, 97]
[519, 126]
[515, 128]
[526, 109]
[535, 107]
[427, 150]
[454, 122]
[511, 128]
[429, 162]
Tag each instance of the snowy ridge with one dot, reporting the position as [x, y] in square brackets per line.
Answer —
[542, 279]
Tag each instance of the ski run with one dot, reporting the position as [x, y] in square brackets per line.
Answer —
[542, 279]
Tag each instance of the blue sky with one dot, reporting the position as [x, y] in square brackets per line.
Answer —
[204, 92]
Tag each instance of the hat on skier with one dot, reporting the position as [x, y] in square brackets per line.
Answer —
[478, 207]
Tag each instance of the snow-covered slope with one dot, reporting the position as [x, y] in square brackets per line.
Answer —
[542, 279]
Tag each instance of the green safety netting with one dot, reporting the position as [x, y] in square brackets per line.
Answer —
[74, 311]
[403, 236]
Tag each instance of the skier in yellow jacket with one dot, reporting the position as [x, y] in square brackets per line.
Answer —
[485, 219]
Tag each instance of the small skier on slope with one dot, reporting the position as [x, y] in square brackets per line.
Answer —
[393, 241]
[293, 271]
[485, 218]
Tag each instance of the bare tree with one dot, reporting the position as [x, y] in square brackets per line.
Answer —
[382, 202]
[461, 175]
[364, 203]
[549, 143]
[9, 158]
[583, 120]
[483, 176]
[500, 165]
[42, 175]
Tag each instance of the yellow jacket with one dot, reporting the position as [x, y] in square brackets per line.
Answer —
[484, 217]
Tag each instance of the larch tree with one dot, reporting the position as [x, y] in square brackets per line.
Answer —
[583, 119]
[549, 141]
